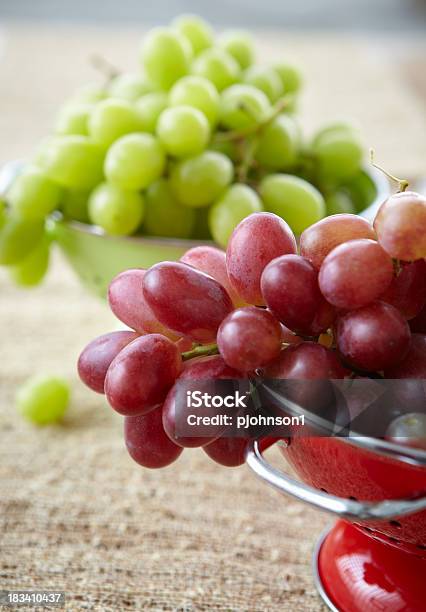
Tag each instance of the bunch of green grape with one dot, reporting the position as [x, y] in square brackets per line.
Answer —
[201, 138]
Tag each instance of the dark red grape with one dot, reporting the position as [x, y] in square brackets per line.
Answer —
[318, 240]
[355, 273]
[96, 358]
[307, 360]
[141, 375]
[418, 324]
[256, 241]
[186, 300]
[414, 363]
[230, 452]
[373, 338]
[147, 442]
[249, 338]
[401, 226]
[407, 291]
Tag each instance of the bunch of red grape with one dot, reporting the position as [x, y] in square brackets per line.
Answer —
[349, 301]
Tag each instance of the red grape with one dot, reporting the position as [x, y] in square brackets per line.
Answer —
[205, 368]
[319, 239]
[249, 338]
[414, 363]
[307, 360]
[141, 375]
[290, 289]
[96, 358]
[230, 452]
[408, 430]
[407, 291]
[373, 338]
[186, 300]
[256, 241]
[127, 302]
[212, 261]
[355, 273]
[418, 324]
[147, 442]
[288, 336]
[401, 226]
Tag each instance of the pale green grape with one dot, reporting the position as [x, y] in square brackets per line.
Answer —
[236, 203]
[196, 31]
[3, 215]
[74, 119]
[135, 161]
[74, 205]
[164, 216]
[339, 156]
[74, 162]
[18, 237]
[32, 195]
[90, 93]
[362, 191]
[149, 108]
[339, 202]
[294, 199]
[290, 76]
[129, 87]
[243, 106]
[240, 45]
[266, 79]
[336, 128]
[112, 119]
[31, 270]
[198, 181]
[43, 399]
[166, 56]
[217, 66]
[197, 92]
[183, 131]
[279, 144]
[117, 211]
[201, 230]
[230, 148]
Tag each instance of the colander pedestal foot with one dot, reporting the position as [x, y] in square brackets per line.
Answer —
[356, 573]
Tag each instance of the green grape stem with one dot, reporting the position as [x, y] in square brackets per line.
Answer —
[105, 67]
[203, 350]
[402, 183]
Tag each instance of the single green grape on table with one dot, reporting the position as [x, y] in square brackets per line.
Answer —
[187, 145]
[43, 399]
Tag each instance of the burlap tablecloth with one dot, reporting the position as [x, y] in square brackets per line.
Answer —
[76, 513]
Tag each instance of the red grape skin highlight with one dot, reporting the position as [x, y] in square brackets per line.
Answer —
[249, 338]
[96, 358]
[355, 273]
[146, 441]
[186, 300]
[407, 291]
[257, 240]
[141, 375]
[414, 363]
[319, 239]
[373, 338]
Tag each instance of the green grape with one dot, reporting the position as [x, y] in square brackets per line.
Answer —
[201, 230]
[290, 76]
[112, 119]
[32, 195]
[32, 269]
[217, 66]
[115, 210]
[74, 205]
[279, 144]
[183, 131]
[266, 79]
[243, 106]
[197, 92]
[230, 148]
[90, 94]
[361, 190]
[336, 128]
[164, 216]
[3, 215]
[74, 119]
[339, 156]
[195, 30]
[198, 181]
[135, 161]
[18, 237]
[294, 199]
[43, 399]
[129, 87]
[166, 57]
[236, 203]
[339, 202]
[239, 44]
[149, 108]
[74, 162]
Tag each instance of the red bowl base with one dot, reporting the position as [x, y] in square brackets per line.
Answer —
[356, 573]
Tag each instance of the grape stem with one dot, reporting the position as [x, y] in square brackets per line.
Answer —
[202, 350]
[402, 183]
[105, 67]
